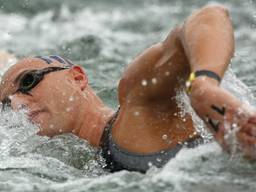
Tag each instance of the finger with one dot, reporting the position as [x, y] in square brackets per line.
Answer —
[246, 139]
[249, 128]
[252, 120]
[247, 145]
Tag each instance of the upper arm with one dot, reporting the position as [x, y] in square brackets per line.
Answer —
[154, 74]
[208, 39]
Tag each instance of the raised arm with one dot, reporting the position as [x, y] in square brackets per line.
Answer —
[204, 42]
[208, 39]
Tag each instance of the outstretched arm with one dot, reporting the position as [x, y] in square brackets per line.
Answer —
[208, 40]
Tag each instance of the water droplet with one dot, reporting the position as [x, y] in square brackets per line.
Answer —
[154, 80]
[164, 137]
[233, 126]
[60, 130]
[150, 164]
[51, 126]
[136, 113]
[71, 98]
[167, 73]
[10, 97]
[158, 159]
[144, 82]
[68, 109]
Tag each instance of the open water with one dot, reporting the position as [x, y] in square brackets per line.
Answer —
[104, 36]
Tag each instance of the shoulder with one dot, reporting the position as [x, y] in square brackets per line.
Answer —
[139, 70]
[150, 75]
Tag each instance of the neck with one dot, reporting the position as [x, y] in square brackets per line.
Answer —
[94, 117]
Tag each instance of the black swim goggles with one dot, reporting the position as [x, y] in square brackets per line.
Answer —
[30, 79]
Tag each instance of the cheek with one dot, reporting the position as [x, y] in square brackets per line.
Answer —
[61, 102]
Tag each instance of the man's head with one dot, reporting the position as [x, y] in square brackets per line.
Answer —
[49, 89]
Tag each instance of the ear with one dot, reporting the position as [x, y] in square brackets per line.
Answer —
[79, 76]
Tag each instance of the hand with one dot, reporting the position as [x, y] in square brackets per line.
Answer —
[246, 138]
[239, 136]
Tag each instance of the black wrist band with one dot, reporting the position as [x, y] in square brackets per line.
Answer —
[196, 74]
[208, 74]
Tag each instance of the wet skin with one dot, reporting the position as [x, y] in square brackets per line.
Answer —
[40, 105]
[148, 120]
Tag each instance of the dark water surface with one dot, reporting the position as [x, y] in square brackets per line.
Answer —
[104, 36]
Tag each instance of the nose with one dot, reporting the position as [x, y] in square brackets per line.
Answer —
[19, 102]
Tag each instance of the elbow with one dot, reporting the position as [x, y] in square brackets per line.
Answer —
[208, 16]
[209, 13]
[216, 10]
[213, 15]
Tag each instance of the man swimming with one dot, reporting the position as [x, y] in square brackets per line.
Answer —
[145, 130]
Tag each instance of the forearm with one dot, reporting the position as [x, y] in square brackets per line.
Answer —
[208, 39]
[220, 110]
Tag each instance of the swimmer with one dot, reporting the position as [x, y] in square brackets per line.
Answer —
[147, 129]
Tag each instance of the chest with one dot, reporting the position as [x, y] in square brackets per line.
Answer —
[150, 129]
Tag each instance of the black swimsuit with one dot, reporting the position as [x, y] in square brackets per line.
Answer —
[119, 159]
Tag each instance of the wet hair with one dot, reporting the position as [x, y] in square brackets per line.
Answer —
[51, 58]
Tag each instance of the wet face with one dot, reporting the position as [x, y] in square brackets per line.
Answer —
[53, 104]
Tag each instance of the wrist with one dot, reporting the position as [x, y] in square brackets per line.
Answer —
[202, 77]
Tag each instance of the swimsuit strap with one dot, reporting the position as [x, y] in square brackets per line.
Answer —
[118, 158]
[107, 128]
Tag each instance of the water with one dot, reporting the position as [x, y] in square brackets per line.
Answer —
[104, 36]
